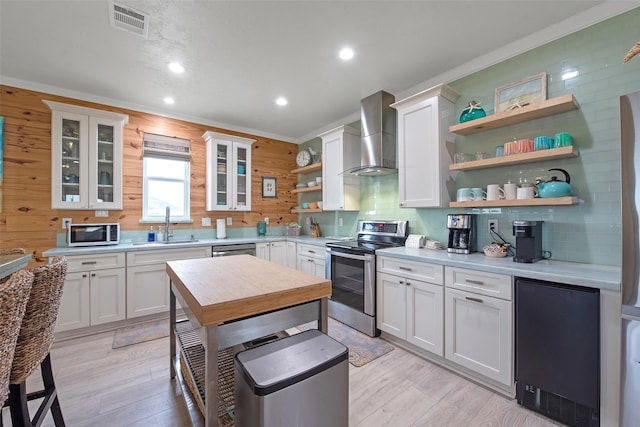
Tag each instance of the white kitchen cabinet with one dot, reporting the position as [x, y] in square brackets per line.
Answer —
[478, 322]
[340, 151]
[147, 279]
[291, 255]
[311, 259]
[409, 301]
[272, 251]
[86, 157]
[426, 148]
[94, 291]
[228, 185]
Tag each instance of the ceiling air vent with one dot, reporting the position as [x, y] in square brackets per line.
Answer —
[128, 19]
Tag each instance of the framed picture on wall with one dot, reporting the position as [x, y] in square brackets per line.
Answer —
[269, 189]
[523, 92]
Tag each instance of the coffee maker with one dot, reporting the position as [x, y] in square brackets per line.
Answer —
[462, 233]
[528, 241]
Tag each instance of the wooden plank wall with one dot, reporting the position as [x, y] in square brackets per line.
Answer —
[27, 219]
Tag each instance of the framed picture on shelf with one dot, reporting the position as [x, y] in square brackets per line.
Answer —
[523, 92]
[269, 189]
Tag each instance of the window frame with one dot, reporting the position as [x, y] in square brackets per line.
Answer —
[185, 180]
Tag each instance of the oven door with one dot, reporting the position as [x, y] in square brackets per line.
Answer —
[352, 279]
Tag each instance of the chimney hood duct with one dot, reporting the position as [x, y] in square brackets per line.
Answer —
[378, 132]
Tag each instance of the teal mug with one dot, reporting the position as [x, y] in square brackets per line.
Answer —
[478, 194]
[542, 143]
[464, 195]
[563, 139]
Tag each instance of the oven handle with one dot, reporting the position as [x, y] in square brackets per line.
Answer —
[367, 257]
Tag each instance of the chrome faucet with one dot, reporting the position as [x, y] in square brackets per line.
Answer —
[167, 216]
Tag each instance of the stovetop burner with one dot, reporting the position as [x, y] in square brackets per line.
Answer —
[374, 235]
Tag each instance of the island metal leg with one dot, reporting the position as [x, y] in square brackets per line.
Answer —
[172, 331]
[211, 375]
[323, 322]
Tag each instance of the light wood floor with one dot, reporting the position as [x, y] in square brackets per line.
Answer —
[130, 386]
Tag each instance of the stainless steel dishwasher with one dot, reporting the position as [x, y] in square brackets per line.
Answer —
[234, 249]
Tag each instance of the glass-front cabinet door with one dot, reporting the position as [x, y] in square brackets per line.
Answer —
[105, 153]
[228, 172]
[86, 157]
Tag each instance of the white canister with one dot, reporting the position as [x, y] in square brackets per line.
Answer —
[221, 229]
[510, 191]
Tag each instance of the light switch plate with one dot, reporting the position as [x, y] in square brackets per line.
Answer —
[266, 220]
[229, 220]
[206, 222]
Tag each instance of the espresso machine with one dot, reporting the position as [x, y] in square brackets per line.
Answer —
[462, 233]
[528, 241]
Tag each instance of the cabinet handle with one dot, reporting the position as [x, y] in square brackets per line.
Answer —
[84, 275]
[93, 274]
[408, 283]
[404, 268]
[89, 262]
[473, 299]
[401, 282]
[312, 252]
[310, 260]
[474, 282]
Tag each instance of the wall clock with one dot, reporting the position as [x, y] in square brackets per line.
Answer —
[303, 158]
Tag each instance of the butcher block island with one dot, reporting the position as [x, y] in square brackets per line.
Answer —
[233, 300]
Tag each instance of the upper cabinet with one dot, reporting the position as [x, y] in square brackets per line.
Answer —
[228, 172]
[341, 151]
[426, 147]
[86, 157]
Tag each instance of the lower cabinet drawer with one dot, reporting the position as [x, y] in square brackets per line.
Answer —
[432, 273]
[479, 282]
[95, 262]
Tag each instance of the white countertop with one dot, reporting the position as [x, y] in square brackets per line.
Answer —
[603, 277]
[144, 246]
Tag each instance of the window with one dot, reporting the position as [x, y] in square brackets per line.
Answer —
[166, 183]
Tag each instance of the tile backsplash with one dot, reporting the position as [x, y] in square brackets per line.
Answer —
[589, 231]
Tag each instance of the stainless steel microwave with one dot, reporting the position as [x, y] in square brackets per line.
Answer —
[93, 234]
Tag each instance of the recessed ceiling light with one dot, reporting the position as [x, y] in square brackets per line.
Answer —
[346, 53]
[169, 100]
[282, 101]
[176, 67]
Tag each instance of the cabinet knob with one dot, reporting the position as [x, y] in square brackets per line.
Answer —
[401, 282]
[93, 274]
[84, 275]
[408, 283]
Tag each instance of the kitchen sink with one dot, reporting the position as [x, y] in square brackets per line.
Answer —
[165, 242]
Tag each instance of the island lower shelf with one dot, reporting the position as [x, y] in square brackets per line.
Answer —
[538, 201]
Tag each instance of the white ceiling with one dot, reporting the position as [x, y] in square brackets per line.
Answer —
[240, 55]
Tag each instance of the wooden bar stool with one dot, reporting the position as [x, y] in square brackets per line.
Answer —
[33, 346]
[14, 294]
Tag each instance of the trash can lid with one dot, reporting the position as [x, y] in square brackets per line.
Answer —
[287, 361]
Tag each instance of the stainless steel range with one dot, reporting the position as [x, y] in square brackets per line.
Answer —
[351, 266]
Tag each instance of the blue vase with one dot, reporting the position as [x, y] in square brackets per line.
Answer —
[472, 111]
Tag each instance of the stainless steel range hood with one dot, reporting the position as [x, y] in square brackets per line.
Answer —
[378, 131]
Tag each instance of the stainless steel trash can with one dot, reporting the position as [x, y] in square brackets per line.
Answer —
[300, 380]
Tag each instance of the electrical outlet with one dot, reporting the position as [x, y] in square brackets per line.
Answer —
[206, 222]
[66, 222]
[229, 220]
[492, 225]
[340, 222]
[266, 220]
[102, 213]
